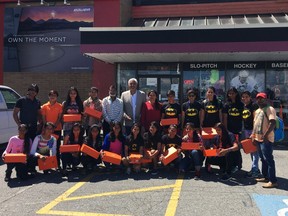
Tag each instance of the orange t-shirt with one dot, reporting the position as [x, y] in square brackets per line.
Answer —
[51, 113]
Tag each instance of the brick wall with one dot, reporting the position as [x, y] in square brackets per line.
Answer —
[47, 81]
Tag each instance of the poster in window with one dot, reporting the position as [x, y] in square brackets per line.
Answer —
[246, 77]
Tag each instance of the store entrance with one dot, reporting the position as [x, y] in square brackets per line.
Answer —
[161, 84]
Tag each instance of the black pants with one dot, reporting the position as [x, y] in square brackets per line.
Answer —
[68, 158]
[106, 128]
[88, 161]
[21, 170]
[58, 133]
[225, 163]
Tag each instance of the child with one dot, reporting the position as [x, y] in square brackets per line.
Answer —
[18, 144]
[94, 141]
[153, 145]
[134, 145]
[114, 141]
[76, 136]
[42, 145]
[194, 156]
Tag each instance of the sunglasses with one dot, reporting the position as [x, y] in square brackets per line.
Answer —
[191, 95]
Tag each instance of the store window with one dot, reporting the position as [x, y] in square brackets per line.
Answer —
[203, 75]
[277, 87]
[246, 76]
[124, 73]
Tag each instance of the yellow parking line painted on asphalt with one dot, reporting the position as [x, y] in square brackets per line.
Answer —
[170, 211]
[173, 203]
[120, 192]
[70, 213]
[47, 208]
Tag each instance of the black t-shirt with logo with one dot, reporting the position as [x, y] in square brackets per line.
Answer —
[192, 113]
[134, 145]
[151, 142]
[234, 116]
[171, 142]
[171, 110]
[247, 115]
[212, 109]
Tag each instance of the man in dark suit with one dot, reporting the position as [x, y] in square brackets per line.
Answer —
[133, 100]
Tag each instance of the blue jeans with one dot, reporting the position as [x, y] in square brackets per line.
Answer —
[265, 151]
[254, 155]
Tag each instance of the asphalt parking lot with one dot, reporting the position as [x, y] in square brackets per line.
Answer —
[168, 193]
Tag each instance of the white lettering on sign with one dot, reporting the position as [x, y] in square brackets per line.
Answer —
[279, 65]
[203, 66]
[242, 66]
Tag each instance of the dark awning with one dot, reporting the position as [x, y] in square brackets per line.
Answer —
[190, 39]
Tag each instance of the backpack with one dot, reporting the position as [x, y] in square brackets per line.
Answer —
[279, 128]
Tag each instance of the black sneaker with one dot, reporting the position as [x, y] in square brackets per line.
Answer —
[253, 174]
[7, 179]
[225, 177]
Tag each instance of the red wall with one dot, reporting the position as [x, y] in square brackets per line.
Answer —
[106, 14]
[211, 9]
[1, 41]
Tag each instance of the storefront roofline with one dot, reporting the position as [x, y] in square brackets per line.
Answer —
[188, 57]
[261, 42]
[177, 28]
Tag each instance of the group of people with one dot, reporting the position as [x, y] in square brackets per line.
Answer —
[132, 125]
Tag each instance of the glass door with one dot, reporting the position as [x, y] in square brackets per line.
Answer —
[161, 85]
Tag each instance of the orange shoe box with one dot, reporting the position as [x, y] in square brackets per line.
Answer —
[146, 160]
[248, 146]
[211, 152]
[111, 157]
[94, 113]
[208, 133]
[15, 158]
[135, 158]
[49, 163]
[170, 155]
[90, 151]
[169, 121]
[69, 148]
[72, 117]
[190, 146]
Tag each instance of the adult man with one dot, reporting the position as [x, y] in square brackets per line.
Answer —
[263, 136]
[112, 110]
[30, 110]
[244, 82]
[133, 100]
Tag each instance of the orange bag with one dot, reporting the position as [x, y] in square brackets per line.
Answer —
[111, 157]
[211, 152]
[170, 155]
[208, 133]
[69, 148]
[15, 158]
[248, 146]
[49, 163]
[90, 151]
[94, 113]
[190, 146]
[169, 121]
[72, 117]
